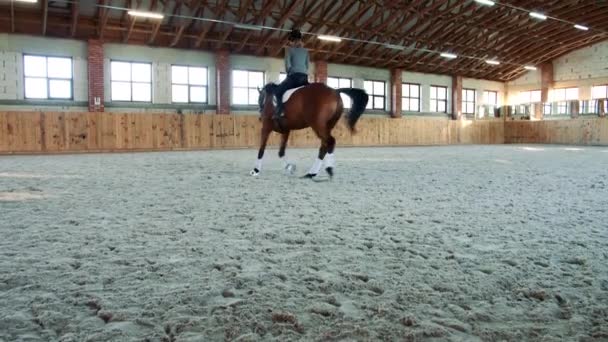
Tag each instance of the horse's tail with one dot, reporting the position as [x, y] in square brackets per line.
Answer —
[360, 98]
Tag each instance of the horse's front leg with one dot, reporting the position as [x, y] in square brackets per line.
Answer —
[266, 130]
[287, 166]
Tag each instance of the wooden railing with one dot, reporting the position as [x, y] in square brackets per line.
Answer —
[58, 132]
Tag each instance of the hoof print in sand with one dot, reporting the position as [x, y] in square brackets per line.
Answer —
[105, 315]
[287, 318]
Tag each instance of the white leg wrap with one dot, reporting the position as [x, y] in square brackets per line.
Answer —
[316, 167]
[285, 161]
[330, 160]
[258, 164]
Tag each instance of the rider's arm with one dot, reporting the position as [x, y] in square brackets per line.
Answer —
[287, 60]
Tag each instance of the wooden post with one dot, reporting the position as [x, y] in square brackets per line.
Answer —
[546, 84]
[396, 89]
[456, 97]
[222, 81]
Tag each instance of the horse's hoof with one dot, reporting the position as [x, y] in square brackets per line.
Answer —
[254, 172]
[310, 175]
[290, 169]
[330, 171]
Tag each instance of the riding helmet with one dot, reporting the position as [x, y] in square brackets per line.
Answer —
[295, 34]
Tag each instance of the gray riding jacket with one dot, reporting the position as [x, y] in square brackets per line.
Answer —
[296, 60]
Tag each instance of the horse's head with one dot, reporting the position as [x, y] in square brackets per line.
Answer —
[265, 99]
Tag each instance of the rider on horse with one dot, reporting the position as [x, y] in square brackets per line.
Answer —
[296, 66]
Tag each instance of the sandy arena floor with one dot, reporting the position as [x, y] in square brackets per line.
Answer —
[461, 243]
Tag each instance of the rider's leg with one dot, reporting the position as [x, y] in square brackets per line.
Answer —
[288, 83]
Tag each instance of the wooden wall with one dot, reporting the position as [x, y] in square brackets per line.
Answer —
[50, 132]
[580, 131]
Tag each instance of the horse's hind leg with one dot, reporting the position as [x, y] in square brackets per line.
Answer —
[330, 161]
[327, 142]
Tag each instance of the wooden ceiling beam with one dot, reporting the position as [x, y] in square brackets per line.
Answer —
[258, 20]
[242, 15]
[45, 15]
[12, 17]
[294, 5]
[103, 19]
[75, 13]
[308, 12]
[484, 32]
[195, 8]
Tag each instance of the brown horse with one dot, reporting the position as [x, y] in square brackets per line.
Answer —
[316, 106]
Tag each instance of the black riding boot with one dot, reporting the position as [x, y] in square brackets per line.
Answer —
[278, 111]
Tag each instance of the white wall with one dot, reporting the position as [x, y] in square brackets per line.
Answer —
[582, 68]
[161, 59]
[12, 48]
[426, 81]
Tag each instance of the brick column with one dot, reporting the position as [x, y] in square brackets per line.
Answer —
[601, 108]
[546, 84]
[222, 81]
[396, 89]
[321, 72]
[96, 77]
[456, 97]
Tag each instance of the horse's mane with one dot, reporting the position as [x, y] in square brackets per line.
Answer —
[270, 88]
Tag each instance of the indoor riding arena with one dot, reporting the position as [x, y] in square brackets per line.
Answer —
[442, 175]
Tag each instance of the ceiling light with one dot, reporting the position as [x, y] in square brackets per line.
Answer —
[151, 15]
[485, 2]
[581, 27]
[30, 1]
[538, 15]
[493, 62]
[448, 55]
[330, 38]
[248, 27]
[394, 47]
[530, 67]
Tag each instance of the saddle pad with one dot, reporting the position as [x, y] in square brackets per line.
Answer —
[289, 92]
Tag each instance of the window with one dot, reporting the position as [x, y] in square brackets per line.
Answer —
[376, 92]
[131, 81]
[599, 92]
[468, 101]
[47, 77]
[339, 82]
[490, 102]
[410, 97]
[245, 86]
[188, 84]
[589, 107]
[532, 96]
[562, 96]
[439, 99]
[282, 77]
[490, 98]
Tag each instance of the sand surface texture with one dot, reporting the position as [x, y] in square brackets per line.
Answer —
[462, 243]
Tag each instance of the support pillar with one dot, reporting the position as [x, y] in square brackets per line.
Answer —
[546, 84]
[96, 75]
[222, 81]
[396, 93]
[456, 97]
[321, 71]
